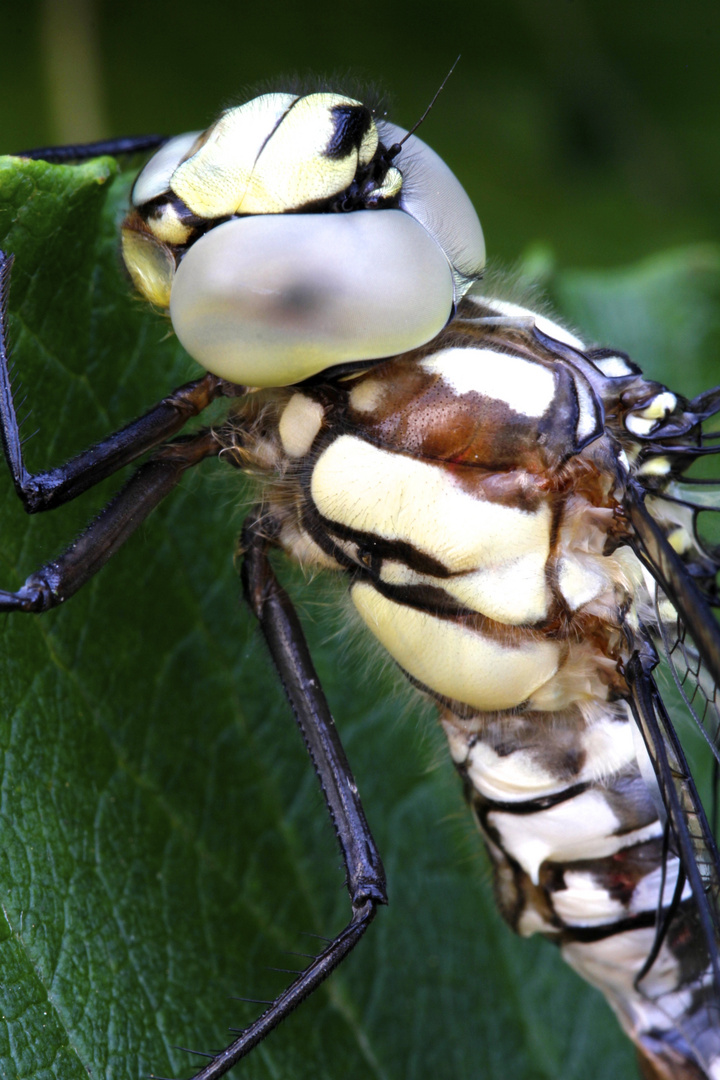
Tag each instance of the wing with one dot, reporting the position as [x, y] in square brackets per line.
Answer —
[664, 520]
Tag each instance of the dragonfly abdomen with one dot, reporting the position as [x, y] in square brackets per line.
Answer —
[578, 855]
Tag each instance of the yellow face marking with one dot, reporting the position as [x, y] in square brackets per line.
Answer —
[213, 181]
[299, 424]
[150, 265]
[452, 660]
[390, 187]
[269, 156]
[167, 226]
[376, 491]
[370, 140]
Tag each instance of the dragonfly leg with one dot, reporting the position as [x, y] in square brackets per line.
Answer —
[53, 487]
[59, 155]
[146, 488]
[365, 875]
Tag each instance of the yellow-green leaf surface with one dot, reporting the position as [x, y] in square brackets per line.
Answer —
[163, 842]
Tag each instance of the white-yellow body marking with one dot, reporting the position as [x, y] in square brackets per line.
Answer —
[586, 427]
[373, 490]
[613, 366]
[584, 572]
[609, 747]
[545, 325]
[579, 828]
[648, 890]
[528, 388]
[660, 407]
[367, 395]
[523, 775]
[582, 903]
[612, 963]
[638, 425]
[453, 660]
[580, 581]
[299, 425]
[514, 592]
[657, 466]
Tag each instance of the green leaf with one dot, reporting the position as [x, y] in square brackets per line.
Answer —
[664, 311]
[163, 842]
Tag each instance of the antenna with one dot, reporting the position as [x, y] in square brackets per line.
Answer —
[394, 150]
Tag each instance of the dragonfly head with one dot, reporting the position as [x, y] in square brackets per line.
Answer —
[295, 235]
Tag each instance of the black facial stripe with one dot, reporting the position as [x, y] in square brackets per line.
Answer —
[152, 209]
[352, 123]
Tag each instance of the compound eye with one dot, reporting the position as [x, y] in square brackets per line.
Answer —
[434, 196]
[154, 179]
[271, 300]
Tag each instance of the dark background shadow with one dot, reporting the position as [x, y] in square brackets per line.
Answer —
[589, 126]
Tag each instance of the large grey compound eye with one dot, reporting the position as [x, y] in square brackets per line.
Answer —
[433, 195]
[154, 178]
[270, 300]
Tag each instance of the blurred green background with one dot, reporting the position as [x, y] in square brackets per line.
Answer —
[591, 126]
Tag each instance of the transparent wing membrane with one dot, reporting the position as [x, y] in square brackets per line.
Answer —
[694, 682]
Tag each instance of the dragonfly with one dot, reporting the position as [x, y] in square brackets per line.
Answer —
[562, 555]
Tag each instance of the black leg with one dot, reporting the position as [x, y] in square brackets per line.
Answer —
[695, 843]
[59, 155]
[45, 490]
[58, 580]
[365, 875]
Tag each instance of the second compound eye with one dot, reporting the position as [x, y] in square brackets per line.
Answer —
[272, 300]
